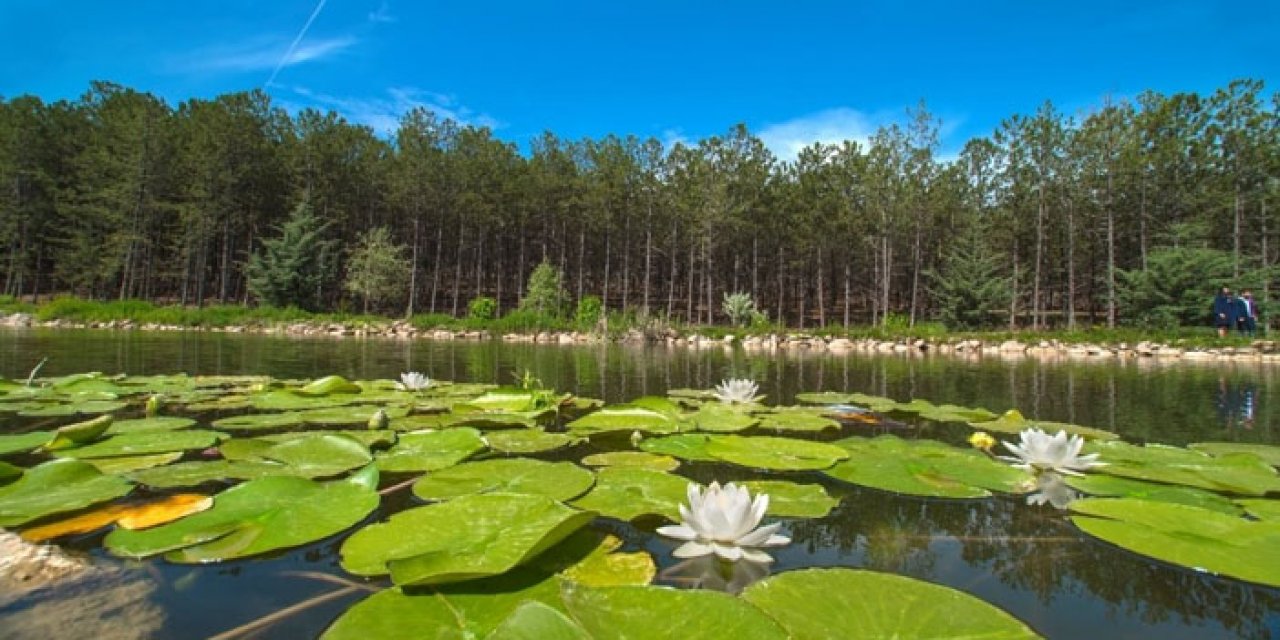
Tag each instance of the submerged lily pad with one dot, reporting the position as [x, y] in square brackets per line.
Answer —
[145, 442]
[626, 493]
[469, 537]
[1243, 474]
[431, 450]
[812, 603]
[528, 441]
[632, 459]
[556, 480]
[926, 468]
[1188, 536]
[767, 452]
[253, 518]
[57, 486]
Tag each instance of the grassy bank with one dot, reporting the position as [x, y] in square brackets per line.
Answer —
[76, 310]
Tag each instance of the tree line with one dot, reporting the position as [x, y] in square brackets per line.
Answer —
[1131, 212]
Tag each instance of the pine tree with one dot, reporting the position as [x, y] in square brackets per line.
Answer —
[970, 285]
[293, 268]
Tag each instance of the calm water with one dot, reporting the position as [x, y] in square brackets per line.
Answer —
[1028, 560]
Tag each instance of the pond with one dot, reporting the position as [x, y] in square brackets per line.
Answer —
[1030, 561]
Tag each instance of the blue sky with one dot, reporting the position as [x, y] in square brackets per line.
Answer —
[794, 72]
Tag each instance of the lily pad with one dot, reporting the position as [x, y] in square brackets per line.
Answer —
[158, 423]
[1261, 509]
[1187, 536]
[494, 420]
[528, 441]
[466, 538]
[624, 418]
[259, 421]
[57, 486]
[431, 450]
[926, 468]
[1269, 453]
[253, 518]
[766, 452]
[789, 499]
[145, 442]
[125, 464]
[320, 455]
[1243, 474]
[349, 415]
[632, 459]
[534, 620]
[371, 438]
[129, 516]
[605, 566]
[717, 418]
[79, 433]
[686, 446]
[796, 420]
[1116, 487]
[190, 474]
[556, 480]
[811, 603]
[73, 408]
[650, 612]
[627, 493]
[23, 442]
[1012, 421]
[328, 385]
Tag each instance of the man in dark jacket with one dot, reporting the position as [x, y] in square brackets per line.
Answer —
[1224, 312]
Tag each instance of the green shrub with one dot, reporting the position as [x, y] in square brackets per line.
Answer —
[545, 294]
[424, 321]
[740, 308]
[482, 308]
[588, 312]
[526, 320]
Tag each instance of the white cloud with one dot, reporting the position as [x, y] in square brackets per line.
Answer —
[832, 126]
[383, 113]
[383, 14]
[261, 54]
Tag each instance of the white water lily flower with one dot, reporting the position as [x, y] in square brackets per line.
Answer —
[723, 521]
[737, 391]
[1040, 451]
[413, 381]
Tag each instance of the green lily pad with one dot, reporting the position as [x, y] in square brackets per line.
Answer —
[73, 435]
[825, 397]
[423, 422]
[23, 442]
[190, 474]
[57, 486]
[650, 611]
[534, 620]
[158, 423]
[9, 472]
[349, 415]
[145, 442]
[431, 450]
[1243, 474]
[258, 516]
[624, 418]
[811, 603]
[1261, 509]
[466, 538]
[795, 420]
[259, 421]
[73, 408]
[603, 565]
[766, 452]
[1187, 536]
[125, 464]
[627, 493]
[528, 441]
[1269, 453]
[926, 468]
[328, 385]
[320, 455]
[494, 420]
[1012, 421]
[718, 418]
[632, 459]
[686, 446]
[447, 612]
[511, 399]
[371, 438]
[556, 480]
[789, 499]
[947, 412]
[1098, 484]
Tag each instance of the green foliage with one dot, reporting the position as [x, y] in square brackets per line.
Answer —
[1177, 287]
[970, 286]
[377, 269]
[588, 312]
[545, 295]
[527, 320]
[294, 268]
[482, 308]
[740, 308]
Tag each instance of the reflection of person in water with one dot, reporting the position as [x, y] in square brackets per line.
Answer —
[1237, 403]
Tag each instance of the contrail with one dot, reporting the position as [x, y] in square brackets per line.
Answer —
[294, 45]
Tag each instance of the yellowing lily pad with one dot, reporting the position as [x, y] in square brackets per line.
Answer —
[556, 480]
[466, 538]
[129, 516]
[811, 603]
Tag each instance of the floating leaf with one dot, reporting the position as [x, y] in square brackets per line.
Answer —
[528, 441]
[1261, 509]
[789, 499]
[651, 611]
[556, 480]
[349, 415]
[129, 516]
[604, 566]
[766, 452]
[431, 450]
[145, 442]
[320, 455]
[494, 420]
[369, 438]
[926, 468]
[469, 537]
[159, 423]
[328, 385]
[9, 472]
[125, 464]
[79, 433]
[795, 420]
[686, 446]
[1269, 453]
[719, 418]
[534, 620]
[259, 421]
[73, 408]
[1112, 486]
[811, 603]
[624, 418]
[1012, 421]
[1243, 474]
[253, 518]
[626, 493]
[190, 474]
[23, 442]
[632, 459]
[1187, 536]
[57, 486]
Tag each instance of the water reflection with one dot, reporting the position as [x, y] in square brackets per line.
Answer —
[712, 573]
[1051, 489]
[1236, 402]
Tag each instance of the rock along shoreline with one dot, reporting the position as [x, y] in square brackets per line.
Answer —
[1256, 351]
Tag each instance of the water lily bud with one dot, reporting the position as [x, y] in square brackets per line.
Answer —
[379, 420]
[153, 405]
[636, 437]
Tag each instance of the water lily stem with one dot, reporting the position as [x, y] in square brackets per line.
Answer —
[36, 369]
[277, 616]
[330, 578]
[396, 487]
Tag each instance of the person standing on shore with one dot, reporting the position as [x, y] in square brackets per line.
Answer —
[1224, 312]
[1248, 313]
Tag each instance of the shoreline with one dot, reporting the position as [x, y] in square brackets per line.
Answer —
[1266, 351]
